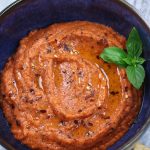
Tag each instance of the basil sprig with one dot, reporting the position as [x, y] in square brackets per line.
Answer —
[129, 60]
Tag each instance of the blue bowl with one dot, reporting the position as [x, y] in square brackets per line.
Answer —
[21, 17]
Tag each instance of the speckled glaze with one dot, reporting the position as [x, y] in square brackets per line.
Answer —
[17, 21]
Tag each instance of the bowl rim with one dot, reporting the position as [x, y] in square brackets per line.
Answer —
[125, 4]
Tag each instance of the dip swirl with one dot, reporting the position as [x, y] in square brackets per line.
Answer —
[59, 95]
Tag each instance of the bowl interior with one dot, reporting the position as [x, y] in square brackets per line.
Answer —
[28, 15]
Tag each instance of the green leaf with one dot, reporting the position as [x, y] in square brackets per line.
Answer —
[134, 43]
[134, 61]
[136, 75]
[114, 55]
[140, 60]
[128, 60]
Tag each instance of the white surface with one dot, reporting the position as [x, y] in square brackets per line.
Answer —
[144, 8]
[4, 3]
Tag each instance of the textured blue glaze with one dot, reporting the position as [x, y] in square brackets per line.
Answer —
[31, 14]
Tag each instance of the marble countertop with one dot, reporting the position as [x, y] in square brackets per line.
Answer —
[143, 7]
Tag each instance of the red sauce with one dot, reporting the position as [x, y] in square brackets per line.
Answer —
[60, 95]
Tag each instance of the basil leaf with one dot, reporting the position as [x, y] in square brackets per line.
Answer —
[134, 61]
[114, 55]
[140, 60]
[136, 75]
[128, 60]
[134, 43]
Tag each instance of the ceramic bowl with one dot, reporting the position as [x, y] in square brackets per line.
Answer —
[21, 17]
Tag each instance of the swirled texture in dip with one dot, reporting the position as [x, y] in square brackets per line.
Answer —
[59, 95]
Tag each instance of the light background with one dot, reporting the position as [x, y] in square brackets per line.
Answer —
[143, 7]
